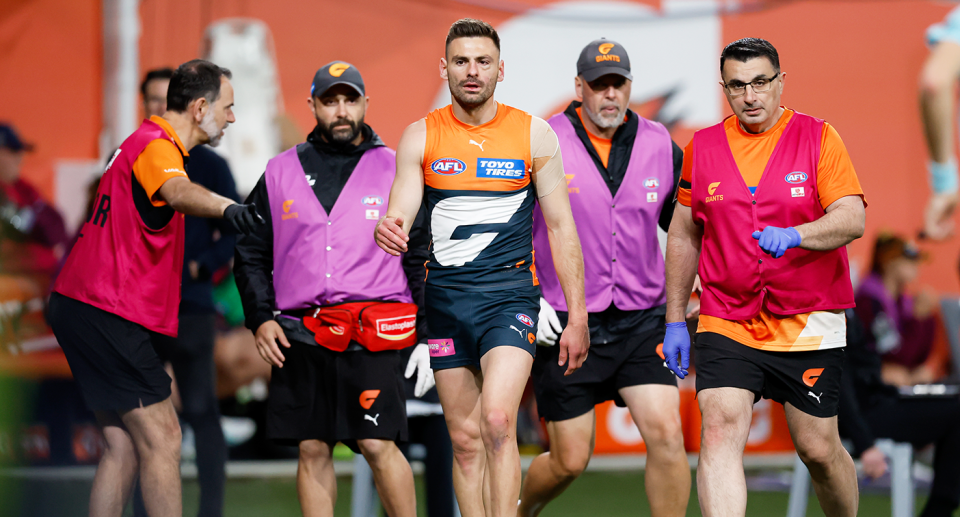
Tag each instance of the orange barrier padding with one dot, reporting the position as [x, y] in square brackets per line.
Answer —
[618, 434]
[37, 365]
[768, 431]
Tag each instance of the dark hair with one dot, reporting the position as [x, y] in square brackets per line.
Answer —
[746, 49]
[193, 80]
[153, 75]
[471, 28]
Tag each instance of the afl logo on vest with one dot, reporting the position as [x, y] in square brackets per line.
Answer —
[526, 320]
[372, 200]
[796, 177]
[448, 166]
[651, 183]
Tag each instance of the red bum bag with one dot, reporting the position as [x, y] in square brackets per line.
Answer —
[377, 326]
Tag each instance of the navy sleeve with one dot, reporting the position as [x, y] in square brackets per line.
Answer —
[253, 264]
[219, 255]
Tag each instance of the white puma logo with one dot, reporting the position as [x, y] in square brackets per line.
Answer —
[372, 419]
[480, 145]
[518, 330]
[815, 396]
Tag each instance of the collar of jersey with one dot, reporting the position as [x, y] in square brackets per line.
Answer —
[168, 129]
[501, 112]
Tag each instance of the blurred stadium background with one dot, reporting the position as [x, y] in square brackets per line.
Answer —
[70, 85]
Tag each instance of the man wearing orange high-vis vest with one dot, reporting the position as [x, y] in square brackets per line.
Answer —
[766, 203]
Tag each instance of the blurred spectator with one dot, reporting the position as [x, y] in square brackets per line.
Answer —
[871, 409]
[32, 231]
[899, 327]
[938, 110]
[208, 248]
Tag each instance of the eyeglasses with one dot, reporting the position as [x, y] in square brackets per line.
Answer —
[762, 85]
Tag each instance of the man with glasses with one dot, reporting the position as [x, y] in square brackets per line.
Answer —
[766, 203]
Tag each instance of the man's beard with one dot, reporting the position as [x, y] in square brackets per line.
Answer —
[209, 126]
[340, 136]
[605, 122]
[469, 101]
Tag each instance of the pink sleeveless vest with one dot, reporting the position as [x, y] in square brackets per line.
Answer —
[119, 264]
[738, 277]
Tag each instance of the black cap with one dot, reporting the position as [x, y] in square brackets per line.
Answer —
[11, 140]
[602, 57]
[333, 73]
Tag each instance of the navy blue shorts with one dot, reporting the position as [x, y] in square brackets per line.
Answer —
[465, 322]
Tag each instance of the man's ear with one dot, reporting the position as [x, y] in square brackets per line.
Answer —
[443, 68]
[198, 109]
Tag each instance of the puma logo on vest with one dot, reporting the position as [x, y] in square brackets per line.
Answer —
[480, 145]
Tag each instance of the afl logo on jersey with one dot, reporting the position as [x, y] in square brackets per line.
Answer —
[448, 166]
[796, 177]
[372, 200]
[526, 320]
[651, 183]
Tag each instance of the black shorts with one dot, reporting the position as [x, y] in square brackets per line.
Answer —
[332, 396]
[112, 359]
[608, 368]
[809, 381]
[465, 323]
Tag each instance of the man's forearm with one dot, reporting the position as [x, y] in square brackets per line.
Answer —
[568, 261]
[683, 255]
[189, 198]
[836, 228]
[937, 111]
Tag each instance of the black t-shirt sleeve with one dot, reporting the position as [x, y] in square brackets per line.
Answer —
[666, 214]
[253, 264]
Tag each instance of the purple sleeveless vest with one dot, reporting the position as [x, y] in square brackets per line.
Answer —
[320, 259]
[621, 255]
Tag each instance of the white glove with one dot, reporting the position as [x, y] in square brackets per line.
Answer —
[420, 362]
[548, 326]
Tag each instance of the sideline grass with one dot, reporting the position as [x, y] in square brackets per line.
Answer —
[606, 494]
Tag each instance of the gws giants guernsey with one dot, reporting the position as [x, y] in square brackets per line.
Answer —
[480, 200]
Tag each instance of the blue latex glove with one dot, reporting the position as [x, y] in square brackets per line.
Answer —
[776, 241]
[676, 348]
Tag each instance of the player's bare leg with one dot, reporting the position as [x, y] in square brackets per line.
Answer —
[316, 480]
[505, 373]
[155, 432]
[721, 486]
[459, 391]
[831, 468]
[392, 476]
[656, 410]
[571, 445]
[117, 471]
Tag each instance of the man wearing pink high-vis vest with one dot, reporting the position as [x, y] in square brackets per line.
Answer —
[766, 203]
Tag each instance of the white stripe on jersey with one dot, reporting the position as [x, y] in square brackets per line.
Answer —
[453, 212]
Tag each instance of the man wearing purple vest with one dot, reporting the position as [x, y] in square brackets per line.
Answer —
[621, 173]
[767, 201]
[310, 264]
